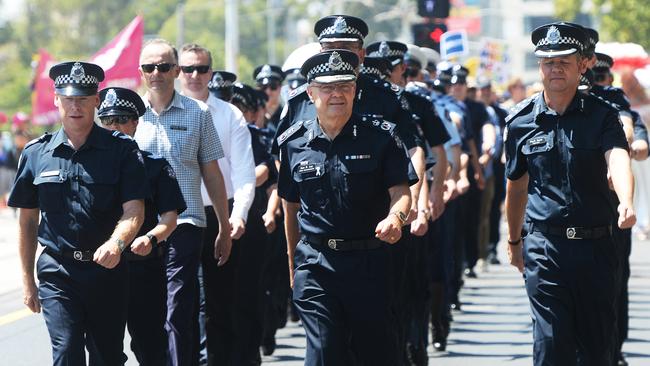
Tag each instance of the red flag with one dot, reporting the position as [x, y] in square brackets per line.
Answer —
[119, 58]
[43, 110]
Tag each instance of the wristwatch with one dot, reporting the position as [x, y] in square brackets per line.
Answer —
[426, 213]
[152, 239]
[120, 244]
[401, 216]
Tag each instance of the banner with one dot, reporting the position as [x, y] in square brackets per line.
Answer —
[494, 61]
[119, 59]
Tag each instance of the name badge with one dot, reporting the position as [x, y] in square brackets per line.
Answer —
[310, 170]
[536, 141]
[50, 173]
[178, 128]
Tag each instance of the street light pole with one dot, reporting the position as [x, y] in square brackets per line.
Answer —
[232, 35]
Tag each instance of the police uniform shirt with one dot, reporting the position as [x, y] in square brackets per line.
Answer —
[432, 126]
[79, 193]
[640, 130]
[613, 95]
[373, 99]
[478, 117]
[342, 185]
[261, 146]
[165, 194]
[564, 157]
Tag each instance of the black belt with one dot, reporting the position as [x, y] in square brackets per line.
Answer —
[156, 252]
[79, 255]
[573, 232]
[343, 245]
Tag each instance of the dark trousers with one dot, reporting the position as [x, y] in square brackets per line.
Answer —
[182, 264]
[147, 311]
[623, 240]
[400, 253]
[419, 293]
[275, 282]
[471, 222]
[343, 299]
[233, 294]
[571, 285]
[82, 299]
[495, 211]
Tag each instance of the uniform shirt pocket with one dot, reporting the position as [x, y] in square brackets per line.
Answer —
[539, 152]
[309, 177]
[361, 180]
[50, 192]
[102, 190]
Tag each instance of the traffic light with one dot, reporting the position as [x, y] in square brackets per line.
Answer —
[428, 34]
[433, 8]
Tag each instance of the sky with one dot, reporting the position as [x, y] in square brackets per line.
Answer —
[10, 9]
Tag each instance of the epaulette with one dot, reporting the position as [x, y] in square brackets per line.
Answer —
[289, 132]
[302, 88]
[46, 137]
[152, 156]
[379, 123]
[514, 111]
[606, 102]
[122, 136]
[386, 85]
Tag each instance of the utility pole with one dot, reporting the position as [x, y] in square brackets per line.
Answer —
[180, 25]
[270, 30]
[232, 35]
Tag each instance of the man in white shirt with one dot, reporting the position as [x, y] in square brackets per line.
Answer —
[239, 175]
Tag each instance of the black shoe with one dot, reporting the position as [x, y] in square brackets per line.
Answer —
[268, 346]
[492, 259]
[469, 272]
[621, 360]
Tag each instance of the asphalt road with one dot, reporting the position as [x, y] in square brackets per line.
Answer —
[493, 328]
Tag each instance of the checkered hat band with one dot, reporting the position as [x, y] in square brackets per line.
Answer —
[562, 40]
[347, 30]
[602, 64]
[372, 71]
[223, 84]
[268, 75]
[325, 68]
[67, 79]
[120, 103]
[397, 53]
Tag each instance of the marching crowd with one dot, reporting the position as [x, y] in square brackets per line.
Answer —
[354, 193]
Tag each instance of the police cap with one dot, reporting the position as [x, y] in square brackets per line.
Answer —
[393, 51]
[603, 63]
[120, 102]
[331, 66]
[221, 79]
[76, 78]
[294, 78]
[379, 67]
[264, 74]
[558, 39]
[340, 28]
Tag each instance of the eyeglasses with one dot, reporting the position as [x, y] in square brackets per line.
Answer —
[272, 86]
[164, 67]
[201, 69]
[329, 89]
[120, 120]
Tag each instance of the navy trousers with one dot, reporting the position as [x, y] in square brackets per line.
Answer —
[343, 299]
[82, 299]
[572, 287]
[182, 264]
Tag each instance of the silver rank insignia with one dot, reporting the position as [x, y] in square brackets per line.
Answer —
[384, 49]
[385, 126]
[335, 62]
[139, 154]
[553, 35]
[77, 73]
[340, 25]
[376, 123]
[111, 98]
[170, 171]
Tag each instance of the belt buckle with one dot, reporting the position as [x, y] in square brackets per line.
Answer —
[332, 243]
[571, 233]
[79, 255]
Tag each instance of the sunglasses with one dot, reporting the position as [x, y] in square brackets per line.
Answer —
[201, 69]
[119, 120]
[164, 67]
[272, 86]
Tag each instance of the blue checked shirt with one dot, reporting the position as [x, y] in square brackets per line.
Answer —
[184, 135]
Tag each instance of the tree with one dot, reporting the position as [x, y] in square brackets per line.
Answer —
[621, 20]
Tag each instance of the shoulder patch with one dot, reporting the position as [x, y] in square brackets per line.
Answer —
[289, 132]
[44, 138]
[302, 88]
[122, 136]
[514, 111]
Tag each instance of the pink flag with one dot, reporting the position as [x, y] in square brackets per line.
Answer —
[119, 59]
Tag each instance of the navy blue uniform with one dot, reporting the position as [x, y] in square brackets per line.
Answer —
[374, 98]
[342, 187]
[147, 279]
[569, 255]
[80, 195]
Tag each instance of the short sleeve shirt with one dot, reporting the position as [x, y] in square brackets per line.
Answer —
[185, 136]
[79, 192]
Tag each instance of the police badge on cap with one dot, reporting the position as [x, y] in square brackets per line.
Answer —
[120, 102]
[266, 73]
[558, 39]
[331, 67]
[340, 28]
[76, 78]
[221, 79]
[393, 51]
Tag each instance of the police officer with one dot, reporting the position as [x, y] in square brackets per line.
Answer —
[557, 172]
[119, 111]
[221, 84]
[345, 181]
[269, 79]
[84, 183]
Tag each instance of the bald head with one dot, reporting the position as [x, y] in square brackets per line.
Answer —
[161, 48]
